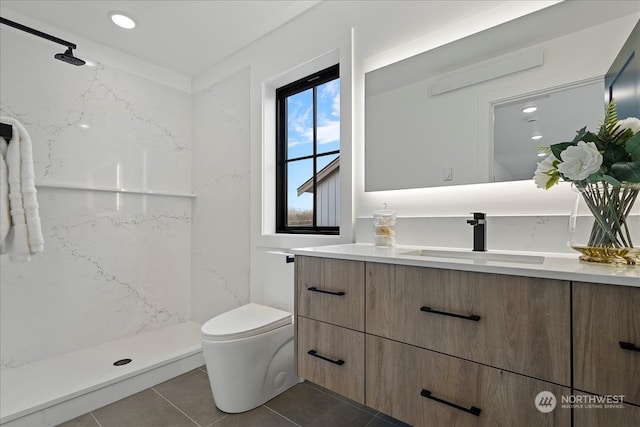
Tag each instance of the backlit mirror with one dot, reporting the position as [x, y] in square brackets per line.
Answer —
[429, 119]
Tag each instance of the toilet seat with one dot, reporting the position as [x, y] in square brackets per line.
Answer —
[243, 322]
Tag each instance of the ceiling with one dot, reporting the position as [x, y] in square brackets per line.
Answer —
[184, 36]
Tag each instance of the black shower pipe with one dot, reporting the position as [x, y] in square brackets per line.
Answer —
[36, 32]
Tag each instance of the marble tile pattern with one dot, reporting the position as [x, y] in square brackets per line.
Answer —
[114, 264]
[221, 180]
[95, 125]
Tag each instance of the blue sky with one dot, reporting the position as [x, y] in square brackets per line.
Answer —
[300, 131]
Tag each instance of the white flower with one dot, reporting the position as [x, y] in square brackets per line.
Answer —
[580, 161]
[632, 123]
[546, 173]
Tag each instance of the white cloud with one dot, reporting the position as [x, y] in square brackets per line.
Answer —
[300, 118]
[329, 132]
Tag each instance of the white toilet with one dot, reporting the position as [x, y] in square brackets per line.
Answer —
[249, 356]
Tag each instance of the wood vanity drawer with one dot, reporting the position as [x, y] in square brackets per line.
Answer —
[604, 317]
[330, 290]
[516, 323]
[399, 376]
[337, 362]
[626, 416]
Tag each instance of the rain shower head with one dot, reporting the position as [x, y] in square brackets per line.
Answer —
[69, 58]
[66, 57]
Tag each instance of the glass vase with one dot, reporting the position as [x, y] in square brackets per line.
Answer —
[605, 223]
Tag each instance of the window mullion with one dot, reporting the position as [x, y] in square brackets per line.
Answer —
[315, 157]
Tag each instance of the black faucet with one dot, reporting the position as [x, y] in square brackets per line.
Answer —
[479, 223]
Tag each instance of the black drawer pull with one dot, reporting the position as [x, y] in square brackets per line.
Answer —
[460, 316]
[629, 346]
[339, 362]
[314, 289]
[473, 410]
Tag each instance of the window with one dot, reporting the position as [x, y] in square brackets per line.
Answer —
[308, 154]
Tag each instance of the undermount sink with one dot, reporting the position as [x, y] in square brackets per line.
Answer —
[477, 256]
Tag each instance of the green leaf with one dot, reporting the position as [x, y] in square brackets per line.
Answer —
[579, 135]
[595, 177]
[615, 154]
[611, 180]
[606, 131]
[626, 171]
[553, 181]
[558, 148]
[633, 147]
[619, 136]
[596, 139]
[611, 114]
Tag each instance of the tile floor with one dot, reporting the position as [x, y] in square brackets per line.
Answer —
[186, 401]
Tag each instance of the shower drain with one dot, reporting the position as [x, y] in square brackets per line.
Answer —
[121, 362]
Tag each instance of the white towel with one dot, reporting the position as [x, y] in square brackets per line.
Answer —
[25, 234]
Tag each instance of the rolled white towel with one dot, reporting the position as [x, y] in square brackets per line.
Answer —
[28, 190]
[25, 235]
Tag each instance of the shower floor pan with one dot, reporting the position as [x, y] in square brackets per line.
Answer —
[52, 391]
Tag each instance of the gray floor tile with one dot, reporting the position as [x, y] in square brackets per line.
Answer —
[144, 409]
[340, 397]
[311, 407]
[191, 393]
[382, 420]
[85, 420]
[259, 417]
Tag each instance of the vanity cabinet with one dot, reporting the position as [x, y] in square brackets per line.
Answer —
[329, 312]
[606, 340]
[433, 346]
[520, 324]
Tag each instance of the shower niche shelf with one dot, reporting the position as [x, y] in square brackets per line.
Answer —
[114, 190]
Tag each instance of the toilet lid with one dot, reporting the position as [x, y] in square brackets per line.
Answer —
[246, 321]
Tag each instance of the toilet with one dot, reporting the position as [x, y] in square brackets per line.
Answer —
[248, 352]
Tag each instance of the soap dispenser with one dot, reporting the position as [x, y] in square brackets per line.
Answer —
[384, 227]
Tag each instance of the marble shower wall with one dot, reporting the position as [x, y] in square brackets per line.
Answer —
[221, 180]
[114, 264]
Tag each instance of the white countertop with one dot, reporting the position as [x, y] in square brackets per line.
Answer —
[539, 264]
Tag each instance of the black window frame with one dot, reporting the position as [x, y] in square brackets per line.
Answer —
[310, 82]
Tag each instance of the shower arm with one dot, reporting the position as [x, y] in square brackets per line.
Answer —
[36, 33]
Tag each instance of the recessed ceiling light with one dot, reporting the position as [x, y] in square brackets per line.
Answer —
[529, 109]
[122, 21]
[536, 137]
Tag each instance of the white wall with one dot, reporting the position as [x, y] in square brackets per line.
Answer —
[220, 251]
[114, 264]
